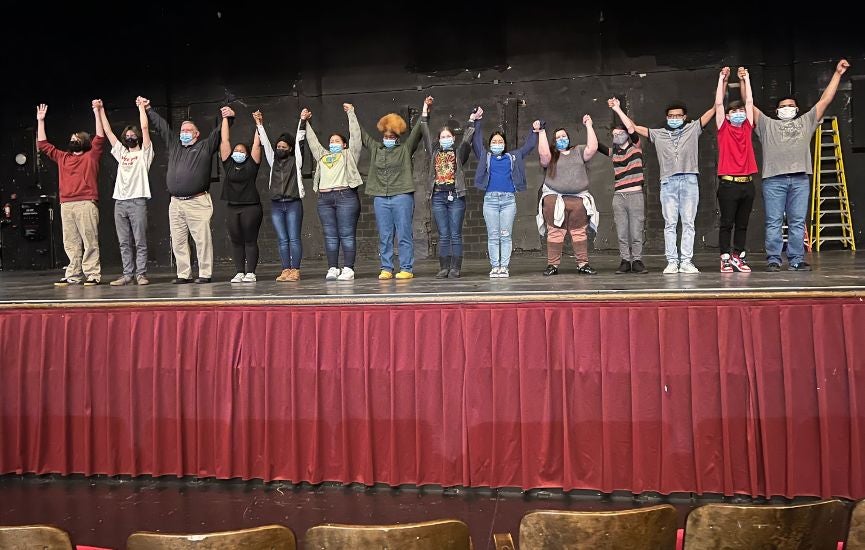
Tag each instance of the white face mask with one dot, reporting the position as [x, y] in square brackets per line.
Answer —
[786, 113]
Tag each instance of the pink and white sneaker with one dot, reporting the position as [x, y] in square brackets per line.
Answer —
[737, 260]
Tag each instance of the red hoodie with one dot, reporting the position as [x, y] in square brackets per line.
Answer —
[78, 173]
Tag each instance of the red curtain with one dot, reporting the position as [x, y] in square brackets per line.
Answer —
[748, 397]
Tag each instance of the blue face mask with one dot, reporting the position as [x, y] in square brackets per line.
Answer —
[675, 122]
[238, 157]
[185, 137]
[497, 148]
[737, 118]
[446, 143]
[335, 148]
[390, 143]
[562, 143]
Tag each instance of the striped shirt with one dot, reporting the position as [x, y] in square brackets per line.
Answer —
[627, 165]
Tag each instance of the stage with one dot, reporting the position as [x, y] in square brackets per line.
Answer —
[715, 383]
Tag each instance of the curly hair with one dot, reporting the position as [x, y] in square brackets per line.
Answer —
[391, 122]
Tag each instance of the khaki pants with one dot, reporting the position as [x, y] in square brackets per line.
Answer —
[80, 220]
[191, 216]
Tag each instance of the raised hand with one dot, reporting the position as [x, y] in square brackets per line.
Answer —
[613, 103]
[478, 114]
[41, 111]
[227, 112]
[258, 118]
[306, 114]
[96, 104]
[536, 126]
[587, 120]
[842, 66]
[742, 72]
[345, 107]
[725, 73]
[428, 101]
[142, 101]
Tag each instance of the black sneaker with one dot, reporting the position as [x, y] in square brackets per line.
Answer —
[551, 270]
[181, 281]
[202, 280]
[801, 266]
[586, 269]
[91, 281]
[624, 267]
[638, 267]
[773, 267]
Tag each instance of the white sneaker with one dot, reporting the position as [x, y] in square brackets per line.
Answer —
[688, 267]
[237, 278]
[504, 273]
[494, 273]
[671, 269]
[332, 274]
[347, 274]
[249, 278]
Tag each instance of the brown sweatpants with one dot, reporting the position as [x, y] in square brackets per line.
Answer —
[575, 222]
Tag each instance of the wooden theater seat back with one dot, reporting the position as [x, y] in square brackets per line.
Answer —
[445, 534]
[268, 537]
[856, 535]
[34, 537]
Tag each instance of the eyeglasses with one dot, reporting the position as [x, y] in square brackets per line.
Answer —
[675, 116]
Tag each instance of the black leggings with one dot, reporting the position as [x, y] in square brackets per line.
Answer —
[244, 221]
[735, 201]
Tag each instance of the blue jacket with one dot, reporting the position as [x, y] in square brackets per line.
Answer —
[518, 162]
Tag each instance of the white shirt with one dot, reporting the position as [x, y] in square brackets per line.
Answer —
[132, 180]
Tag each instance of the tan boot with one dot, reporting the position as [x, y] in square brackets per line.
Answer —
[293, 275]
[284, 276]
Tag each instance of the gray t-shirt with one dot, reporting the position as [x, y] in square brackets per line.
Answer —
[571, 175]
[787, 143]
[677, 149]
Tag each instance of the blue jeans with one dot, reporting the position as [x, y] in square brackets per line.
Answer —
[680, 195]
[287, 217]
[449, 220]
[339, 211]
[395, 214]
[500, 209]
[786, 193]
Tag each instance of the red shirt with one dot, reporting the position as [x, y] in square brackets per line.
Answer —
[78, 173]
[736, 150]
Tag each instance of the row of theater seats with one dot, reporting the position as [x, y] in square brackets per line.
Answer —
[815, 526]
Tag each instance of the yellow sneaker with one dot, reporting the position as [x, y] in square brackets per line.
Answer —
[385, 275]
[404, 275]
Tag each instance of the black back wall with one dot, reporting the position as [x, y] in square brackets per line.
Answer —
[519, 66]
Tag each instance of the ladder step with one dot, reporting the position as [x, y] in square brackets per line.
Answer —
[835, 238]
[828, 158]
[827, 144]
[824, 211]
[831, 184]
[830, 198]
[825, 225]
[829, 171]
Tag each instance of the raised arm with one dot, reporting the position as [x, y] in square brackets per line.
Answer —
[368, 141]
[258, 117]
[544, 149]
[477, 139]
[427, 140]
[747, 94]
[531, 139]
[465, 147]
[720, 115]
[145, 125]
[256, 148]
[829, 92]
[591, 139]
[632, 127]
[315, 146]
[214, 140]
[106, 127]
[415, 136]
[225, 140]
[161, 126]
[706, 117]
[97, 115]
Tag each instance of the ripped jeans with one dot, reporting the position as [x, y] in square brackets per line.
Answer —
[500, 209]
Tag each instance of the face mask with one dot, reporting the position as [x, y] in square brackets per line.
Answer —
[675, 123]
[446, 143]
[562, 143]
[620, 139]
[131, 142]
[281, 153]
[390, 143]
[786, 113]
[238, 156]
[185, 137]
[736, 119]
[497, 148]
[75, 146]
[337, 148]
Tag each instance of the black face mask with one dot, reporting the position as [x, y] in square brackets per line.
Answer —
[75, 146]
[131, 142]
[282, 153]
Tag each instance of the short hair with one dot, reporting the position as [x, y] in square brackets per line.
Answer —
[676, 105]
[735, 105]
[785, 98]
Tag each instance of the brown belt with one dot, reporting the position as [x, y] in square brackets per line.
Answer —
[737, 179]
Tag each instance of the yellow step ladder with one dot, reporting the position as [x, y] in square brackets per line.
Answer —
[830, 205]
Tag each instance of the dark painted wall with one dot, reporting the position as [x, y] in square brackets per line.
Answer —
[518, 67]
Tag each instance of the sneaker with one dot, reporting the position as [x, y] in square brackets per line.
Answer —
[238, 278]
[688, 267]
[123, 280]
[637, 266]
[283, 277]
[504, 273]
[249, 278]
[293, 275]
[181, 281]
[739, 264]
[66, 281]
[672, 268]
[773, 267]
[405, 275]
[624, 267]
[385, 275]
[347, 274]
[494, 273]
[801, 266]
[91, 281]
[142, 280]
[332, 274]
[203, 280]
[726, 265]
[586, 269]
[551, 270]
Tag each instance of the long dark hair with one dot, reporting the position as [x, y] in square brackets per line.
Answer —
[498, 133]
[554, 152]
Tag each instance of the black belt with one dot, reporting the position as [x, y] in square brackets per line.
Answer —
[190, 196]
